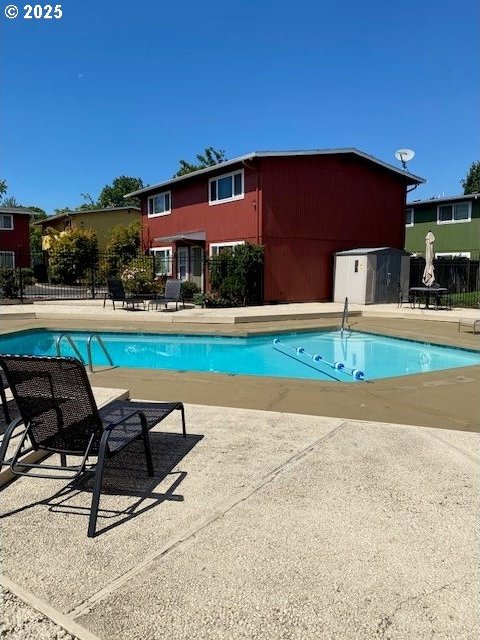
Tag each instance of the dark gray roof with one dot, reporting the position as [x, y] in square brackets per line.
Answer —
[67, 214]
[470, 196]
[362, 252]
[16, 210]
[411, 179]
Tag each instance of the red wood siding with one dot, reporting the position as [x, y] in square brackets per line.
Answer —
[314, 206]
[17, 240]
[222, 222]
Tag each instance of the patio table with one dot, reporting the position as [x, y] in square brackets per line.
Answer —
[425, 293]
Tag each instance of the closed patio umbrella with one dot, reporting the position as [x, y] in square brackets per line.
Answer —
[429, 273]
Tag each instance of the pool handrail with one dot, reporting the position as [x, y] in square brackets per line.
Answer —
[70, 341]
[344, 317]
[98, 338]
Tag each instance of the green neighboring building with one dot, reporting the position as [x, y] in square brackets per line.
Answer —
[454, 221]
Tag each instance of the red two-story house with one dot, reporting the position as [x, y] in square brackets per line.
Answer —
[303, 206]
[14, 237]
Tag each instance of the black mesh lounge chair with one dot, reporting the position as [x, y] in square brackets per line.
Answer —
[56, 404]
[3, 398]
[173, 293]
[116, 293]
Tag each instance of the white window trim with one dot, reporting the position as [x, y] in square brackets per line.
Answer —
[454, 254]
[453, 205]
[7, 215]
[410, 224]
[162, 213]
[12, 253]
[224, 244]
[233, 198]
[169, 251]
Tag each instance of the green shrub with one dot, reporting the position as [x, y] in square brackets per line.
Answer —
[199, 299]
[189, 290]
[8, 284]
[138, 278]
[27, 277]
[235, 277]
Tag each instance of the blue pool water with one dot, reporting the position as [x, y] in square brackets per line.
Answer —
[377, 356]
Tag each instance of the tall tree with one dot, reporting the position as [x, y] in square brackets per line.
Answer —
[112, 195]
[209, 158]
[471, 184]
[10, 201]
[3, 188]
[36, 231]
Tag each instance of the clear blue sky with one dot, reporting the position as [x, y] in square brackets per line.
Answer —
[132, 87]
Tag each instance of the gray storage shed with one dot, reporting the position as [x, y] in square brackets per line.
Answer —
[371, 276]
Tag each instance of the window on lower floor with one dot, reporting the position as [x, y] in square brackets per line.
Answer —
[458, 212]
[163, 260]
[217, 248]
[226, 188]
[159, 204]
[409, 218]
[6, 221]
[7, 259]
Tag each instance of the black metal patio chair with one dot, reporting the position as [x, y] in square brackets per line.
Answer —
[116, 293]
[58, 409]
[173, 293]
[3, 398]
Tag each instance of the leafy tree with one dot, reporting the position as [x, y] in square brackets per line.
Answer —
[35, 231]
[38, 213]
[72, 254]
[112, 195]
[209, 158]
[3, 188]
[471, 184]
[10, 201]
[123, 244]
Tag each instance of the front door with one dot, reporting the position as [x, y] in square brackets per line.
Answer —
[196, 262]
[190, 265]
[182, 263]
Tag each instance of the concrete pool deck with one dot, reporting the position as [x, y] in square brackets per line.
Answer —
[260, 525]
[295, 509]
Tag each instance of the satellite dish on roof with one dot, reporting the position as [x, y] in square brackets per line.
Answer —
[404, 155]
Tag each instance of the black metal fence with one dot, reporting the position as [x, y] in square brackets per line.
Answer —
[74, 278]
[459, 275]
[87, 279]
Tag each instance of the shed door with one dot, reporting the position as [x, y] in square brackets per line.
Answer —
[387, 278]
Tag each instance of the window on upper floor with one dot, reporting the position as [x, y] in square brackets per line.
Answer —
[7, 259]
[226, 188]
[216, 248]
[6, 221]
[163, 260]
[455, 212]
[409, 218]
[159, 204]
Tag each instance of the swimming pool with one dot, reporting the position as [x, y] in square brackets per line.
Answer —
[377, 356]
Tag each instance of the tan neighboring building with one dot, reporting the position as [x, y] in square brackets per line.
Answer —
[100, 220]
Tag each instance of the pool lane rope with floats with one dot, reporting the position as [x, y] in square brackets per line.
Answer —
[315, 360]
